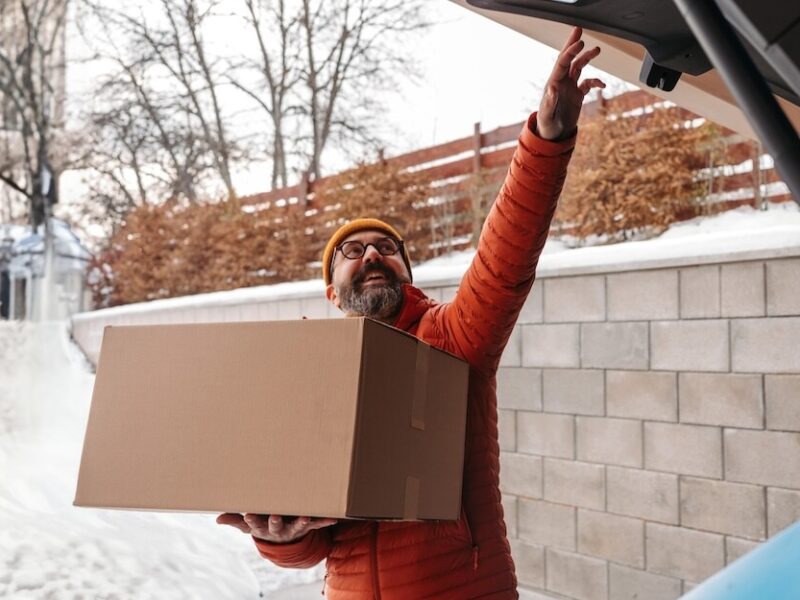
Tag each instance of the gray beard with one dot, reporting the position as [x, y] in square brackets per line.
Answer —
[380, 303]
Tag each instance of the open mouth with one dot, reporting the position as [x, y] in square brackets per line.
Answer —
[375, 278]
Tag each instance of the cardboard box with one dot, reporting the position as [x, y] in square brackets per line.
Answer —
[327, 418]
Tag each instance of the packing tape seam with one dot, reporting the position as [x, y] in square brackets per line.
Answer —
[420, 387]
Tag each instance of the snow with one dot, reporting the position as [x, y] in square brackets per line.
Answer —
[50, 549]
[742, 234]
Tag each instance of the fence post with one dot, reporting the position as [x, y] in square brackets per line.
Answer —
[303, 194]
[476, 147]
[476, 191]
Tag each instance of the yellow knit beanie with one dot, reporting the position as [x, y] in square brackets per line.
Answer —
[350, 228]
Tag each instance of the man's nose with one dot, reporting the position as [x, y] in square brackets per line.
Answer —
[371, 254]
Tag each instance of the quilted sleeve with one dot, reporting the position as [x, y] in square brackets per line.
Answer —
[491, 294]
[305, 553]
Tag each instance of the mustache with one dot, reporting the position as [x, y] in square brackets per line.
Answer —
[373, 267]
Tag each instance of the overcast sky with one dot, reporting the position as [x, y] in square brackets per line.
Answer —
[472, 70]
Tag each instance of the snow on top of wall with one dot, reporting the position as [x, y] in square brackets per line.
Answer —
[740, 234]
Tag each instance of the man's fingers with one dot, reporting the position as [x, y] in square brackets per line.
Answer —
[275, 525]
[273, 528]
[234, 520]
[297, 527]
[589, 84]
[564, 62]
[320, 523]
[573, 37]
[583, 60]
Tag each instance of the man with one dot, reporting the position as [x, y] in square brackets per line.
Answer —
[367, 272]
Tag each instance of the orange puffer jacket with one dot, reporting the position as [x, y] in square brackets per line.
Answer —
[468, 558]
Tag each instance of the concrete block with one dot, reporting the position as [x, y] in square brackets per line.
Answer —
[509, 503]
[735, 548]
[546, 434]
[721, 399]
[519, 388]
[533, 309]
[507, 430]
[289, 309]
[546, 523]
[742, 289]
[763, 457]
[575, 483]
[615, 346]
[783, 287]
[645, 494]
[609, 441]
[448, 294]
[574, 299]
[643, 395]
[783, 401]
[615, 538]
[700, 292]
[683, 449]
[521, 475]
[632, 584]
[249, 312]
[723, 507]
[765, 345]
[683, 553]
[643, 295]
[783, 509]
[529, 563]
[433, 293]
[576, 576]
[315, 308]
[267, 311]
[700, 345]
[550, 346]
[573, 391]
[512, 353]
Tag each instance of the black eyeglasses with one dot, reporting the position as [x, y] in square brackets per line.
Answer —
[386, 246]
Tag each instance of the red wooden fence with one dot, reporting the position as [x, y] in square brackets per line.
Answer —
[452, 168]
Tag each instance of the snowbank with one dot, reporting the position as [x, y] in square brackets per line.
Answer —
[50, 549]
[740, 234]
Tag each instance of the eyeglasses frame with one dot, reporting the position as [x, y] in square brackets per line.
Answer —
[400, 249]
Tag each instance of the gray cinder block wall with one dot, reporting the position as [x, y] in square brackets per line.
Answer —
[651, 426]
[649, 415]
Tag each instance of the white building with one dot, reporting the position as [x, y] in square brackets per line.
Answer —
[25, 292]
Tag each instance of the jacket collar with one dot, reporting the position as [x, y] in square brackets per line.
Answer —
[415, 304]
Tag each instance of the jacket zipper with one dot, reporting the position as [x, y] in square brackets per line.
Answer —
[475, 549]
[376, 584]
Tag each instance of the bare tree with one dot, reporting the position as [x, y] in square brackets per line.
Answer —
[354, 50]
[276, 30]
[167, 119]
[159, 129]
[31, 94]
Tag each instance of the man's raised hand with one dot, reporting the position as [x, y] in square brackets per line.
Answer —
[563, 95]
[273, 528]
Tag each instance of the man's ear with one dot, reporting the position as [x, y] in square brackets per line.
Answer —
[331, 295]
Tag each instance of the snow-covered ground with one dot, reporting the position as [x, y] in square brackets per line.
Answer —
[49, 549]
[52, 550]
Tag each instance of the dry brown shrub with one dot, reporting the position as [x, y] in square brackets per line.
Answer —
[178, 250]
[634, 175]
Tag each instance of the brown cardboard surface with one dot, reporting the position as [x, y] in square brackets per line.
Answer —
[311, 417]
